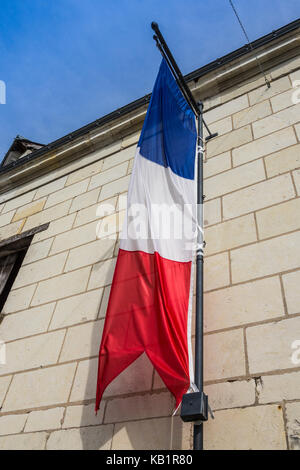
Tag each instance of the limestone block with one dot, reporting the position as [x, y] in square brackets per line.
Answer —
[36, 351]
[253, 428]
[44, 420]
[224, 355]
[66, 193]
[229, 141]
[29, 209]
[215, 165]
[230, 234]
[90, 253]
[39, 270]
[107, 176]
[234, 179]
[216, 271]
[264, 146]
[83, 415]
[82, 341]
[34, 441]
[156, 434]
[246, 262]
[280, 120]
[139, 407]
[278, 219]
[291, 289]
[61, 286]
[86, 438]
[51, 187]
[42, 387]
[283, 161]
[102, 274]
[26, 323]
[19, 299]
[246, 303]
[276, 388]
[231, 394]
[76, 309]
[270, 345]
[252, 114]
[264, 93]
[258, 196]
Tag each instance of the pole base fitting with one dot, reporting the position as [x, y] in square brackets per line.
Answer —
[194, 407]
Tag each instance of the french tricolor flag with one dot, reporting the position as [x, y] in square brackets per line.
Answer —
[150, 304]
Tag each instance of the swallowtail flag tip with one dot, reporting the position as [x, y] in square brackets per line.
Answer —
[150, 303]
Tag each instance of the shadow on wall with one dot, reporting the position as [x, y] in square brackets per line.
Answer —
[136, 409]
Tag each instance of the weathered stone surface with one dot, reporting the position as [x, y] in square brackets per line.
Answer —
[263, 93]
[26, 323]
[234, 179]
[28, 353]
[242, 304]
[264, 146]
[29, 209]
[76, 309]
[82, 341]
[246, 262]
[49, 188]
[19, 299]
[275, 388]
[90, 253]
[102, 274]
[109, 175]
[231, 394]
[85, 172]
[89, 214]
[278, 219]
[252, 114]
[66, 193]
[44, 420]
[224, 355]
[12, 424]
[83, 415]
[85, 200]
[85, 438]
[293, 427]
[283, 161]
[61, 286]
[215, 165]
[258, 196]
[4, 384]
[270, 345]
[47, 215]
[18, 201]
[39, 270]
[296, 176]
[75, 237]
[255, 428]
[291, 282]
[115, 187]
[212, 212]
[229, 141]
[34, 441]
[280, 120]
[37, 251]
[139, 407]
[230, 234]
[216, 271]
[226, 109]
[42, 387]
[156, 434]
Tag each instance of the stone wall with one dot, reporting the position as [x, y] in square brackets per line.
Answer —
[55, 312]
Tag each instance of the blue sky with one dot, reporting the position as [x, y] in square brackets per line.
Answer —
[68, 62]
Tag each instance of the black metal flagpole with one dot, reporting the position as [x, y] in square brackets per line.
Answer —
[194, 405]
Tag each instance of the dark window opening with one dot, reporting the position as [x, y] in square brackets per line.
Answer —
[12, 254]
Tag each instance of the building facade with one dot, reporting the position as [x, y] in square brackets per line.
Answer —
[60, 269]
